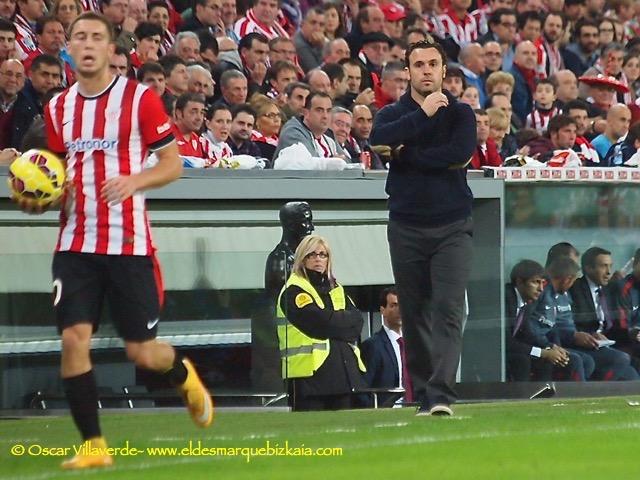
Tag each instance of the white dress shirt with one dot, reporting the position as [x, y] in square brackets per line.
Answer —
[393, 337]
[596, 302]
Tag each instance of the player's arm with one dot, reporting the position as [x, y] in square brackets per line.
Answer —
[168, 169]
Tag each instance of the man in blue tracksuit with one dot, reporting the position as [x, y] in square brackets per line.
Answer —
[549, 324]
[433, 137]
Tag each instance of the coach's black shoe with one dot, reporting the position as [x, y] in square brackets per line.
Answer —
[423, 409]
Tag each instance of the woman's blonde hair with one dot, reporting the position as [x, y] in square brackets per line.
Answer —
[497, 118]
[308, 245]
[262, 104]
[498, 77]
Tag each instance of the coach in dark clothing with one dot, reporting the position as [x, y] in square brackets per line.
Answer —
[590, 304]
[430, 226]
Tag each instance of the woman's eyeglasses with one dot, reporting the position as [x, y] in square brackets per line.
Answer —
[321, 255]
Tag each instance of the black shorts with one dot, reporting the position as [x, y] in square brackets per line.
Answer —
[131, 284]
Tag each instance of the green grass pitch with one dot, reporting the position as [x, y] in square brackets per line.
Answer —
[550, 439]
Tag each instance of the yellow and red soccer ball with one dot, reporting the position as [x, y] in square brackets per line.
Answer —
[37, 176]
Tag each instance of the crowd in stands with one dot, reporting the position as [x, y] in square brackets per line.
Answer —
[567, 326]
[297, 84]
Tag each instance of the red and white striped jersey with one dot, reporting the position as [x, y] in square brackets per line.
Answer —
[26, 41]
[549, 58]
[461, 31]
[541, 58]
[168, 39]
[194, 145]
[250, 23]
[256, 136]
[103, 137]
[90, 5]
[481, 16]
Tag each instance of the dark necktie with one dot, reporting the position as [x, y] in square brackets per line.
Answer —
[519, 320]
[406, 379]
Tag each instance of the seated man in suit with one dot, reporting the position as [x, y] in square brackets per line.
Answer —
[527, 282]
[593, 317]
[548, 324]
[383, 353]
[626, 322]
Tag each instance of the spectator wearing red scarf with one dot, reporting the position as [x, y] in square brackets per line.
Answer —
[486, 153]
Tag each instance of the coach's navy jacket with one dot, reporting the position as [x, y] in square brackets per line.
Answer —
[551, 320]
[427, 185]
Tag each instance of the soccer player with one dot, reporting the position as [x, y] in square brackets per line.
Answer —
[105, 126]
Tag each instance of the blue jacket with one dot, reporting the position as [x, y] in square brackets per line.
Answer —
[427, 184]
[522, 97]
[551, 320]
[380, 359]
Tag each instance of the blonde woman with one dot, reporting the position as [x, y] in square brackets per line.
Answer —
[499, 131]
[318, 327]
[268, 124]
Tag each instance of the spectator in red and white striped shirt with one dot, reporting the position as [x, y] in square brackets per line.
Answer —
[188, 119]
[25, 21]
[482, 14]
[457, 23]
[262, 18]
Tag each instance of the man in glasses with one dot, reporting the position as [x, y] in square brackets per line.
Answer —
[502, 29]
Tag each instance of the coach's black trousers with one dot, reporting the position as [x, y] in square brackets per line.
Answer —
[431, 267]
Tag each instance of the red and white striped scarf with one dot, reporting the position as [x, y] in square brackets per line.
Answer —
[539, 119]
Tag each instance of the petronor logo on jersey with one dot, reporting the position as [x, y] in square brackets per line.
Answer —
[82, 145]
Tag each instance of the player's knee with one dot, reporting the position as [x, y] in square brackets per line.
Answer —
[76, 338]
[140, 354]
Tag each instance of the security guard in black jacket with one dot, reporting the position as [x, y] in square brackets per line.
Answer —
[318, 327]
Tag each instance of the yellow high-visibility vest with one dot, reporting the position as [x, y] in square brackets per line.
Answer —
[302, 355]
